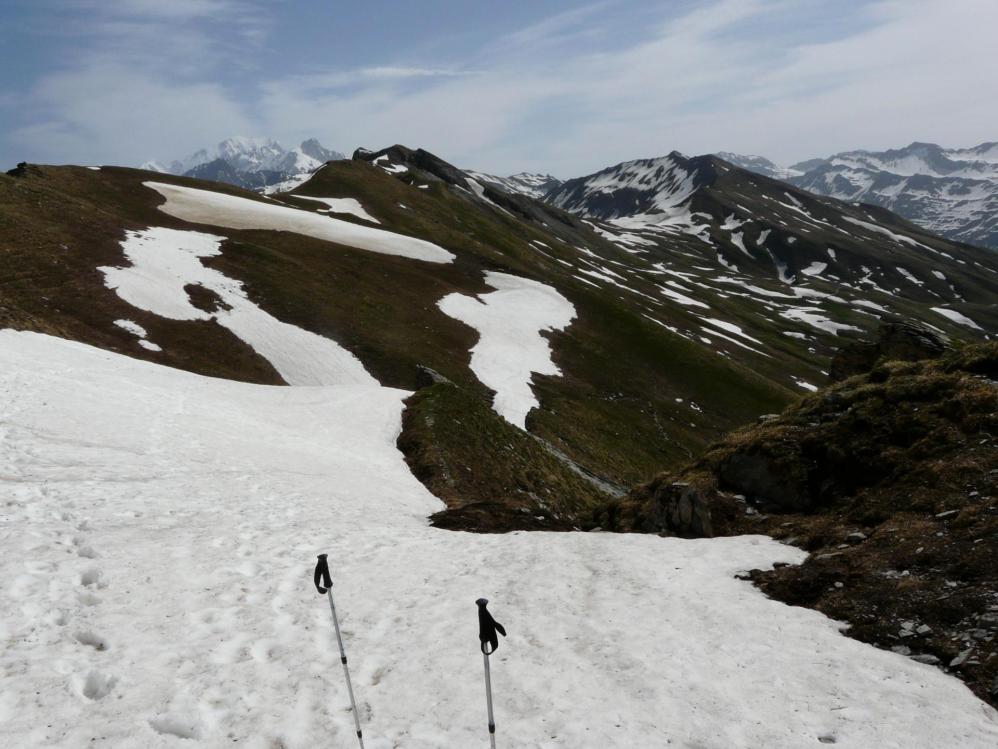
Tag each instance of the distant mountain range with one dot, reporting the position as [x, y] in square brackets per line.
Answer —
[951, 191]
[254, 163]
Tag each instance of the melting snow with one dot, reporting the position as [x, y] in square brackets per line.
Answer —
[510, 348]
[957, 317]
[805, 384]
[139, 332]
[132, 327]
[816, 319]
[814, 269]
[682, 298]
[908, 275]
[164, 261]
[343, 205]
[230, 211]
[886, 232]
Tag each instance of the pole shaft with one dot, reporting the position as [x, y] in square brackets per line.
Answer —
[346, 670]
[488, 700]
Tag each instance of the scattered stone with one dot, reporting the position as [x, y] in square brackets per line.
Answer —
[958, 661]
[947, 514]
[926, 658]
[426, 377]
[856, 536]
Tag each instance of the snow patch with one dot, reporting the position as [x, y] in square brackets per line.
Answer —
[958, 317]
[342, 205]
[232, 212]
[511, 348]
[164, 261]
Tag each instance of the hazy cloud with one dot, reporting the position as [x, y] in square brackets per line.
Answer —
[602, 83]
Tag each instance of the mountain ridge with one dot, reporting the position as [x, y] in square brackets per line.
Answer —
[951, 191]
[253, 163]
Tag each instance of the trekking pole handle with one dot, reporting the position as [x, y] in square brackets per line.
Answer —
[321, 578]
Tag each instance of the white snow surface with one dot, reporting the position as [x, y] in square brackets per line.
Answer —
[233, 212]
[139, 332]
[510, 347]
[957, 317]
[132, 327]
[159, 530]
[343, 205]
[164, 261]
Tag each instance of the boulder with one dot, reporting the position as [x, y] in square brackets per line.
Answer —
[426, 377]
[682, 510]
[897, 341]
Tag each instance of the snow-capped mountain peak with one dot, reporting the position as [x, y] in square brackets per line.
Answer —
[525, 183]
[251, 162]
[758, 164]
[642, 186]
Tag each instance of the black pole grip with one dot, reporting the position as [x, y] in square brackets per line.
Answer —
[487, 627]
[321, 578]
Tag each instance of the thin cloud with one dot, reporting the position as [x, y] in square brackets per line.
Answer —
[565, 95]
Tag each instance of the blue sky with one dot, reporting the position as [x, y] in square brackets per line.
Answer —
[546, 85]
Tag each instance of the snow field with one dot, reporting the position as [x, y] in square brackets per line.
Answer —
[232, 212]
[159, 531]
[510, 348]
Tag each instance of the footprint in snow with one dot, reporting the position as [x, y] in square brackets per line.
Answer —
[93, 578]
[87, 599]
[174, 726]
[97, 686]
[92, 640]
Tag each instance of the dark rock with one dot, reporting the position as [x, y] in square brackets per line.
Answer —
[23, 169]
[897, 341]
[682, 510]
[426, 377]
[775, 480]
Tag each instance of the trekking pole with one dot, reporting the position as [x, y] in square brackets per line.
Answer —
[487, 628]
[324, 584]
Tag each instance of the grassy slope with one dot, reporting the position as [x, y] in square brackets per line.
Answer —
[614, 411]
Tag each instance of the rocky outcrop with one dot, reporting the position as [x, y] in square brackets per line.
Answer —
[896, 341]
[774, 478]
[890, 480]
[682, 510]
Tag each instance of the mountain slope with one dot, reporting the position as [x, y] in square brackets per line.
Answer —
[952, 192]
[617, 410]
[716, 228]
[720, 300]
[524, 183]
